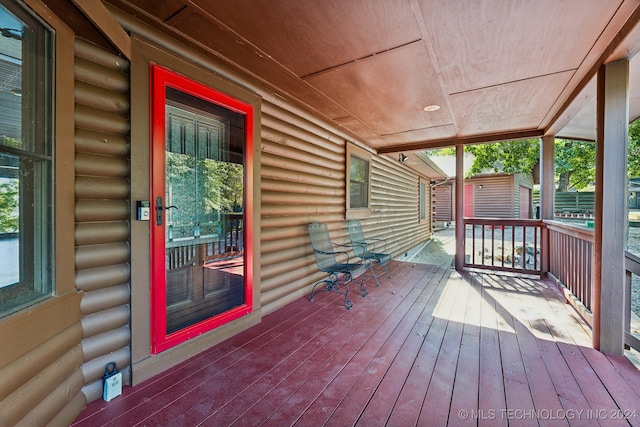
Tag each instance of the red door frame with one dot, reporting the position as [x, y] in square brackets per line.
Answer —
[161, 78]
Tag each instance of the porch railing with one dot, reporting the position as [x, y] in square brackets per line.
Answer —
[571, 264]
[504, 244]
[632, 322]
[228, 242]
[516, 246]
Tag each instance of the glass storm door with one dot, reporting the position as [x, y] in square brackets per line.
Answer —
[199, 233]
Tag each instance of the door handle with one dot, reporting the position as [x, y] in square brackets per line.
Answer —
[160, 208]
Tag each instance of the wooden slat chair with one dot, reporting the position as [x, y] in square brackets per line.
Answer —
[340, 273]
[373, 252]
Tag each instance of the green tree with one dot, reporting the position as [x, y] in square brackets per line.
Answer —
[574, 160]
[575, 164]
[509, 156]
[633, 160]
[9, 220]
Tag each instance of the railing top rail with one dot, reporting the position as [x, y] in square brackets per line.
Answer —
[503, 221]
[632, 263]
[574, 230]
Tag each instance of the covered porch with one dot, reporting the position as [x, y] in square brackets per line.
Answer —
[427, 347]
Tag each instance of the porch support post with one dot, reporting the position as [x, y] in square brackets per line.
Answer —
[547, 166]
[610, 207]
[547, 193]
[460, 208]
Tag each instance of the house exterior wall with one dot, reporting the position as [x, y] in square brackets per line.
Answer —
[102, 231]
[495, 199]
[302, 181]
[301, 178]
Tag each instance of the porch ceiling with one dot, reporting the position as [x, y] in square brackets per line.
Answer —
[497, 69]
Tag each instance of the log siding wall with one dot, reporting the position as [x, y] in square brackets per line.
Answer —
[102, 212]
[303, 180]
[54, 381]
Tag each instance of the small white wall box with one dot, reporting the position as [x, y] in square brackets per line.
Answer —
[112, 382]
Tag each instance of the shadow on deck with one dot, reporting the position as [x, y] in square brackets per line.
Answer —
[428, 347]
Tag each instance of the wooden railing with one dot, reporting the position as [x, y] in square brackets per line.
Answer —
[504, 244]
[632, 321]
[228, 242]
[571, 263]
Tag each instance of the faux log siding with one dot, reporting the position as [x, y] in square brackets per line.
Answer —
[302, 181]
[395, 210]
[31, 395]
[102, 212]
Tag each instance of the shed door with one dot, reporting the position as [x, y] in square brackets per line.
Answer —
[199, 279]
[525, 202]
[468, 200]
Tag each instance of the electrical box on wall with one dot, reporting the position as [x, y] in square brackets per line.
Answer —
[143, 210]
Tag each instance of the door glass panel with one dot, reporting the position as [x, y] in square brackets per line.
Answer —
[204, 193]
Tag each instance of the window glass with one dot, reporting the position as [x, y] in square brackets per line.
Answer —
[423, 201]
[26, 201]
[359, 183]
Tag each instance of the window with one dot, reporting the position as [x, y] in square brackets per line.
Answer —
[423, 200]
[358, 182]
[26, 167]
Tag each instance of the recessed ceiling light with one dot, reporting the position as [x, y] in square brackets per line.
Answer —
[432, 107]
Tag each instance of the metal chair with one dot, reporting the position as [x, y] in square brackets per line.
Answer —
[340, 273]
[372, 251]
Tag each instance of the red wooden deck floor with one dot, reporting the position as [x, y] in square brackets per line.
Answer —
[426, 348]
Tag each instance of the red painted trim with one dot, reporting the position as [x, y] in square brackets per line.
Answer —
[161, 78]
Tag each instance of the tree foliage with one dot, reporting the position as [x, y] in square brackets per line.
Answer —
[508, 157]
[633, 159]
[9, 220]
[575, 161]
[575, 164]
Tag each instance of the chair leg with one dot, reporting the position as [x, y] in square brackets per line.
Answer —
[331, 284]
[363, 291]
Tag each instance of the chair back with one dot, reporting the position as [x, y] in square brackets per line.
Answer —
[322, 246]
[357, 237]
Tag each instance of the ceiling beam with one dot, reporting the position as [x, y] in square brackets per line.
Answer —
[107, 24]
[479, 139]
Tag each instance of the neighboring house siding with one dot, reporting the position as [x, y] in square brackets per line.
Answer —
[102, 212]
[302, 181]
[443, 203]
[495, 198]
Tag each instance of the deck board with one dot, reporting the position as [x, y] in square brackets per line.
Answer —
[427, 347]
